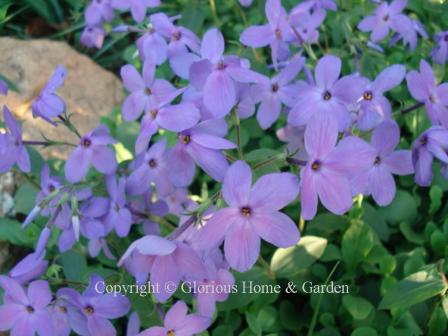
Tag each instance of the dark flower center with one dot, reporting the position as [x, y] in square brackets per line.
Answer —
[274, 87]
[446, 38]
[367, 95]
[148, 91]
[377, 161]
[89, 310]
[432, 99]
[315, 165]
[386, 18]
[278, 33]
[185, 139]
[424, 140]
[153, 113]
[152, 163]
[30, 309]
[246, 211]
[51, 188]
[170, 333]
[86, 143]
[305, 30]
[177, 35]
[221, 66]
[63, 309]
[327, 95]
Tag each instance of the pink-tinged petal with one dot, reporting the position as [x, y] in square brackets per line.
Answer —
[321, 134]
[77, 165]
[212, 161]
[257, 36]
[212, 46]
[193, 325]
[399, 162]
[379, 32]
[100, 326]
[351, 156]
[212, 141]
[385, 137]
[276, 228]
[39, 294]
[199, 72]
[154, 331]
[216, 227]
[206, 304]
[163, 271]
[237, 184]
[274, 191]
[269, 110]
[176, 315]
[381, 186]
[178, 117]
[219, 93]
[308, 194]
[334, 191]
[327, 71]
[397, 6]
[241, 247]
[188, 262]
[149, 245]
[103, 159]
[9, 313]
[367, 24]
[389, 78]
[132, 80]
[181, 167]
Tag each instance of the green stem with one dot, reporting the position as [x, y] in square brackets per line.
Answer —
[267, 161]
[319, 301]
[212, 4]
[266, 266]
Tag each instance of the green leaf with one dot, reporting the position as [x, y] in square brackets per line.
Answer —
[74, 266]
[12, 232]
[438, 242]
[263, 320]
[288, 316]
[437, 322]
[402, 209]
[410, 234]
[359, 308]
[288, 261]
[435, 194]
[25, 198]
[356, 244]
[364, 331]
[222, 330]
[415, 288]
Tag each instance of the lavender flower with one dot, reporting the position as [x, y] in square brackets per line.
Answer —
[152, 47]
[91, 150]
[328, 95]
[48, 105]
[26, 313]
[29, 268]
[119, 216]
[294, 137]
[329, 168]
[3, 88]
[378, 180]
[305, 23]
[96, 308]
[138, 8]
[97, 11]
[93, 36]
[410, 35]
[178, 322]
[386, 16]
[423, 87]
[252, 214]
[12, 149]
[440, 52]
[202, 144]
[431, 144]
[167, 262]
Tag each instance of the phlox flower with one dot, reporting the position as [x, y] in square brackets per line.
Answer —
[440, 52]
[97, 11]
[138, 8]
[119, 216]
[93, 36]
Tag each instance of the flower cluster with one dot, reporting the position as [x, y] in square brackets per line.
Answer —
[341, 142]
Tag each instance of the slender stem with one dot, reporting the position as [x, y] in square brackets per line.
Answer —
[319, 301]
[181, 229]
[267, 161]
[29, 178]
[412, 108]
[66, 122]
[214, 13]
[230, 157]
[296, 162]
[266, 266]
[36, 143]
[238, 134]
[301, 224]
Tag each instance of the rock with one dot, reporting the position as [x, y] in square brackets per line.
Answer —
[89, 91]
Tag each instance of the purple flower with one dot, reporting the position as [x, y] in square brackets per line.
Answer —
[216, 75]
[410, 35]
[178, 322]
[96, 308]
[3, 88]
[272, 93]
[245, 105]
[48, 105]
[306, 24]
[177, 201]
[133, 325]
[203, 145]
[253, 213]
[327, 94]
[440, 52]
[276, 33]
[138, 7]
[91, 150]
[431, 144]
[386, 16]
[152, 47]
[64, 315]
[48, 185]
[29, 268]
[12, 149]
[329, 168]
[150, 167]
[373, 106]
[294, 136]
[26, 313]
[146, 205]
[423, 87]
[97, 11]
[245, 3]
[323, 4]
[93, 36]
[378, 180]
[119, 216]
[167, 262]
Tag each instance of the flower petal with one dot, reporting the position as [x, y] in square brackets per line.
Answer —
[327, 71]
[381, 186]
[320, 135]
[219, 93]
[276, 228]
[241, 247]
[212, 46]
[237, 184]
